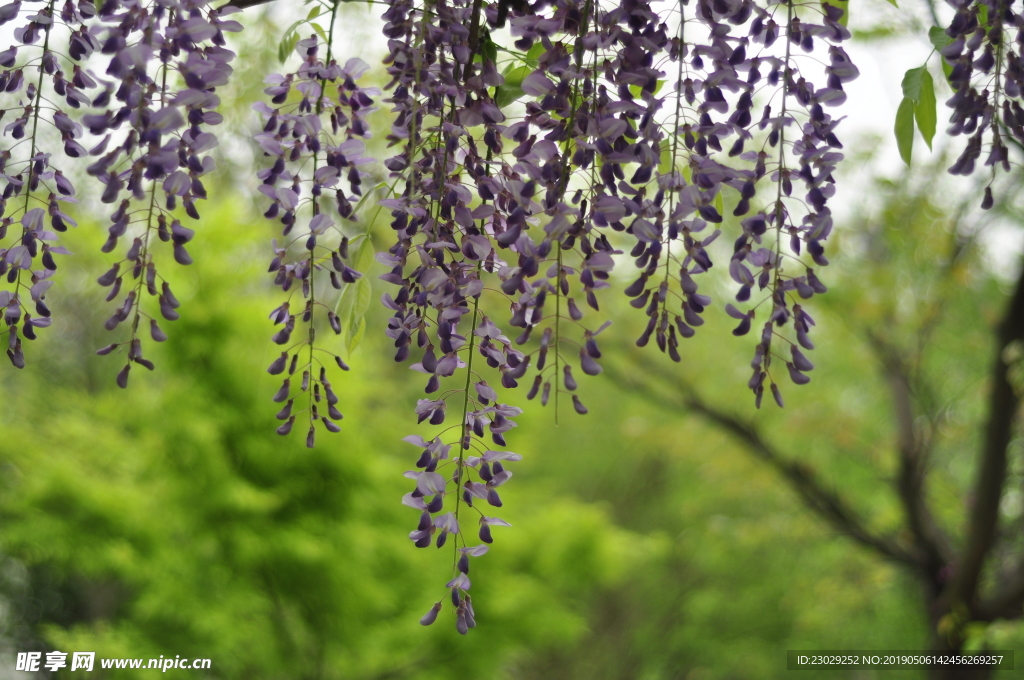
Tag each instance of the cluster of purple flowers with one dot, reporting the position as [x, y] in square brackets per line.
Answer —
[317, 157]
[147, 115]
[528, 213]
[984, 48]
[520, 175]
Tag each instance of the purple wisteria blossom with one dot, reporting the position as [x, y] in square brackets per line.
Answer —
[982, 47]
[529, 212]
[531, 148]
[314, 144]
[140, 129]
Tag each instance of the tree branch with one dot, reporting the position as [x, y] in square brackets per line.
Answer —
[933, 13]
[1006, 604]
[244, 4]
[988, 488]
[801, 477]
[913, 449]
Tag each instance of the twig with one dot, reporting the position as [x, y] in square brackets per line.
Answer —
[800, 476]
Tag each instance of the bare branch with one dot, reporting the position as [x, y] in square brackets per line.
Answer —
[913, 449]
[1006, 604]
[801, 477]
[245, 4]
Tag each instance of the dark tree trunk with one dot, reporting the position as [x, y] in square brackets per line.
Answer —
[941, 644]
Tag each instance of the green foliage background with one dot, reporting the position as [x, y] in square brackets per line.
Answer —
[169, 519]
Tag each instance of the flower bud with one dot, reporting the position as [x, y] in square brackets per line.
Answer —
[431, 615]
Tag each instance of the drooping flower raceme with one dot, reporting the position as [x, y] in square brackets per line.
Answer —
[315, 145]
[35, 80]
[527, 213]
[140, 128]
[155, 150]
[983, 45]
[532, 146]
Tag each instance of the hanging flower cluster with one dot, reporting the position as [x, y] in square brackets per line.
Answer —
[146, 114]
[532, 147]
[316, 147]
[983, 48]
[526, 213]
[163, 96]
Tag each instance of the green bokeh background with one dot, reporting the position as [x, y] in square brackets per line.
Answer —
[169, 519]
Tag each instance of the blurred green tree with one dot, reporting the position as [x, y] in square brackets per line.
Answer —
[913, 449]
[167, 520]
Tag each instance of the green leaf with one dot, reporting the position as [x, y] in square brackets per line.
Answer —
[355, 298]
[843, 5]
[315, 12]
[352, 306]
[720, 203]
[355, 335]
[912, 83]
[637, 91]
[511, 90]
[506, 94]
[905, 129]
[364, 256]
[344, 307]
[924, 109]
[488, 49]
[878, 32]
[893, 3]
[939, 40]
[534, 54]
[938, 37]
[666, 160]
[360, 301]
[291, 31]
[286, 46]
[918, 104]
[320, 31]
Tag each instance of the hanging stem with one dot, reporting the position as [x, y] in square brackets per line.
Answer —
[465, 434]
[35, 128]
